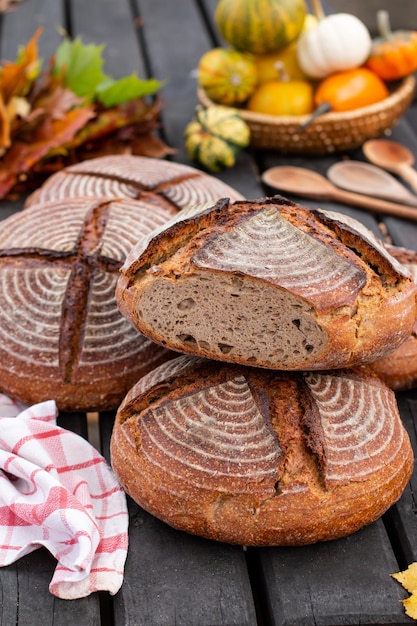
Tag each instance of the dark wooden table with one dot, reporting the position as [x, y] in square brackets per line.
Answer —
[171, 577]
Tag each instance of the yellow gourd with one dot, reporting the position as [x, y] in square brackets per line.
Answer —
[293, 97]
[268, 65]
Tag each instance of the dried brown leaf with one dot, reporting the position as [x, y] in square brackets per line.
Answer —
[21, 157]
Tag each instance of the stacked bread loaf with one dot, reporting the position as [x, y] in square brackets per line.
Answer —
[268, 430]
[62, 335]
[398, 370]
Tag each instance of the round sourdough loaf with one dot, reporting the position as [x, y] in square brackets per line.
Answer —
[399, 369]
[268, 283]
[62, 336]
[259, 457]
[154, 181]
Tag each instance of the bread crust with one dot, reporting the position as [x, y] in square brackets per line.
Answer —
[398, 370]
[244, 269]
[256, 457]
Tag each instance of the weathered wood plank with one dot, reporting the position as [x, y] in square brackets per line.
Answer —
[175, 578]
[403, 516]
[18, 26]
[112, 24]
[329, 584]
[76, 422]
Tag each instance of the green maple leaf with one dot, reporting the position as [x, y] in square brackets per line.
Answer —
[80, 65]
[113, 92]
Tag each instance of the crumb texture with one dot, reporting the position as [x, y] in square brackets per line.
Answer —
[226, 316]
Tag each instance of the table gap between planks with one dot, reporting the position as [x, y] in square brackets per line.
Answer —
[171, 577]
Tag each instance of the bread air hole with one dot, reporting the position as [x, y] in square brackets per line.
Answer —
[187, 339]
[187, 304]
[264, 325]
[224, 348]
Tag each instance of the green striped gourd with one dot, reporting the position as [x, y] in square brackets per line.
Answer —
[260, 26]
[215, 137]
[227, 76]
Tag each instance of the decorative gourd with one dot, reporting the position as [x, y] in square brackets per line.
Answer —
[394, 54]
[227, 76]
[268, 65]
[339, 42]
[260, 26]
[216, 136]
[282, 97]
[351, 89]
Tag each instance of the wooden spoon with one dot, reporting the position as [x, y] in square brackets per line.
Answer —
[304, 182]
[370, 180]
[392, 156]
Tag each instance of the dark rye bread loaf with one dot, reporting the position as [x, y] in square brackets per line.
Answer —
[259, 457]
[398, 370]
[154, 181]
[268, 283]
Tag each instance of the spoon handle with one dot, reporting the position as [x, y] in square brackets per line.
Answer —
[374, 204]
[409, 174]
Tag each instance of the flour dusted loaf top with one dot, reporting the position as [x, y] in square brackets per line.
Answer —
[399, 369]
[260, 457]
[62, 336]
[268, 283]
[154, 181]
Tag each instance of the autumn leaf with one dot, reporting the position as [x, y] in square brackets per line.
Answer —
[15, 82]
[80, 66]
[410, 605]
[110, 120]
[50, 134]
[16, 78]
[408, 579]
[69, 112]
[113, 92]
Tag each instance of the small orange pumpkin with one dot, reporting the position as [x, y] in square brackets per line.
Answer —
[351, 89]
[394, 54]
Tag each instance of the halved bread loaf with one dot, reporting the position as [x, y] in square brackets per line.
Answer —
[259, 457]
[268, 283]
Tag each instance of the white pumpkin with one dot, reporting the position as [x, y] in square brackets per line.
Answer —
[339, 42]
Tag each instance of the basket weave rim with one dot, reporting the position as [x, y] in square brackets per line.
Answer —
[404, 89]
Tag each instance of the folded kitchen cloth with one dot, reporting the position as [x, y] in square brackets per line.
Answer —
[57, 491]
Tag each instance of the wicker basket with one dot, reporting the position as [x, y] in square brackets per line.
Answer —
[331, 132]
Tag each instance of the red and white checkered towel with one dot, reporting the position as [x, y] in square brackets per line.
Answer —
[57, 491]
